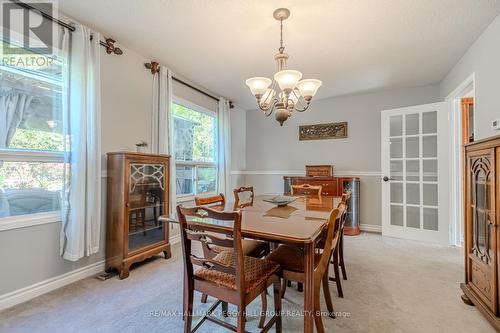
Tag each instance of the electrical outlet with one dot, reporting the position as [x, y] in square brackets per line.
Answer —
[495, 124]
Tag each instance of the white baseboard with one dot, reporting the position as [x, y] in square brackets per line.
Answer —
[24, 294]
[371, 228]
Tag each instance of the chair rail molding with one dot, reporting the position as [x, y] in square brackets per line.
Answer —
[338, 173]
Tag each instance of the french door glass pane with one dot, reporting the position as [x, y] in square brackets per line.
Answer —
[430, 194]
[430, 171]
[412, 150]
[429, 122]
[413, 194]
[397, 193]
[431, 219]
[413, 170]
[396, 148]
[429, 146]
[413, 217]
[396, 170]
[396, 126]
[397, 215]
[412, 124]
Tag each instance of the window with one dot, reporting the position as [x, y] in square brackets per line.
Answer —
[195, 149]
[31, 134]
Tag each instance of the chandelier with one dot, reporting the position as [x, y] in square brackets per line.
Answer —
[294, 93]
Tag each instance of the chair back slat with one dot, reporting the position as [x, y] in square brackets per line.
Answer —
[193, 230]
[331, 241]
[209, 238]
[212, 264]
[218, 199]
[247, 201]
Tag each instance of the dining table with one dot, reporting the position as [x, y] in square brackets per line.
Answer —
[299, 223]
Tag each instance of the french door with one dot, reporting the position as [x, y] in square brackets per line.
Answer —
[414, 173]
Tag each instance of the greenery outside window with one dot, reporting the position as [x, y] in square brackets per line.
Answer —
[195, 149]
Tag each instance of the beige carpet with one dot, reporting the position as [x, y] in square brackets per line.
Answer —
[392, 286]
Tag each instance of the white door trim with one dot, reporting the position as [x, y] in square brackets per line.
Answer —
[442, 236]
[455, 175]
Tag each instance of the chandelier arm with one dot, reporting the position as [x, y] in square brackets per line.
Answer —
[302, 109]
[269, 107]
[302, 105]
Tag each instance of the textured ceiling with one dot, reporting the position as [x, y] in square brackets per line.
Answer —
[351, 45]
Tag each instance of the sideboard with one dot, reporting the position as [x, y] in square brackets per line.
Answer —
[334, 186]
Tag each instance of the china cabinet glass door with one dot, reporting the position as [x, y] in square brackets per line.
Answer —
[146, 202]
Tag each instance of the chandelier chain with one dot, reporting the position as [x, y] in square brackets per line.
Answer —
[281, 49]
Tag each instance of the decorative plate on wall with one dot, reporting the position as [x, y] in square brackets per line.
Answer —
[323, 131]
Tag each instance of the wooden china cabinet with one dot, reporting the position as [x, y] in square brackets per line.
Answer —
[137, 195]
[481, 232]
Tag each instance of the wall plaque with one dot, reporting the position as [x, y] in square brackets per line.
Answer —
[323, 131]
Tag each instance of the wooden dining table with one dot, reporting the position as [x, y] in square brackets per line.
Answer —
[299, 223]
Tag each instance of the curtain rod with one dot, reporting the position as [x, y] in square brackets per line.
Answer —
[45, 15]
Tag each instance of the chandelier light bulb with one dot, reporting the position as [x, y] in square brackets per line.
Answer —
[309, 87]
[287, 79]
[258, 85]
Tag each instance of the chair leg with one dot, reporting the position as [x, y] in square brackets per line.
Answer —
[288, 283]
[241, 319]
[284, 283]
[263, 311]
[277, 306]
[317, 311]
[225, 309]
[337, 273]
[328, 295]
[189, 308]
[204, 298]
[300, 287]
[341, 255]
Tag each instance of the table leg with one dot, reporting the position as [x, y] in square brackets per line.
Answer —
[309, 288]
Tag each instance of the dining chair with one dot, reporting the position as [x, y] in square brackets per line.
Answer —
[230, 276]
[243, 197]
[306, 189]
[291, 261]
[251, 247]
[338, 255]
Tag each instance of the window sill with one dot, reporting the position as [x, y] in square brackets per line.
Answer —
[23, 221]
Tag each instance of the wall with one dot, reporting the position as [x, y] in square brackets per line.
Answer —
[273, 151]
[483, 59]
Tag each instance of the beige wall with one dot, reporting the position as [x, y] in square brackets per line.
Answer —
[483, 59]
[273, 151]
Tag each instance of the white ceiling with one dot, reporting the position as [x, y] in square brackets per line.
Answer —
[351, 45]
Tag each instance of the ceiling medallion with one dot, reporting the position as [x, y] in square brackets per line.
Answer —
[294, 93]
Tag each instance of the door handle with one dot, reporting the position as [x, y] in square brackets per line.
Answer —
[385, 179]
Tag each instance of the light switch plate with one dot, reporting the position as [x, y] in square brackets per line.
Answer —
[495, 124]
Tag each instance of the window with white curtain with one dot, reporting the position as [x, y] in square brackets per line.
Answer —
[195, 149]
[32, 164]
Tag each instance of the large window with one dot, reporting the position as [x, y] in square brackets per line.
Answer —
[31, 134]
[195, 150]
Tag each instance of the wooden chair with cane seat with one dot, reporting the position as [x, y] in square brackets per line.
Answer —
[230, 276]
[292, 265]
[240, 202]
[251, 247]
[338, 256]
[306, 189]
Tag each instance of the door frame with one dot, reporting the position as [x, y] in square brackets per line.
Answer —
[456, 175]
[443, 159]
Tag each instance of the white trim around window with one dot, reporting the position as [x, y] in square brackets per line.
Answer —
[23, 221]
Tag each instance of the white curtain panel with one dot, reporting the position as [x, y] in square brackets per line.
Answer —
[224, 147]
[81, 213]
[162, 130]
[13, 105]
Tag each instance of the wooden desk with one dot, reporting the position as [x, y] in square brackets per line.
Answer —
[299, 224]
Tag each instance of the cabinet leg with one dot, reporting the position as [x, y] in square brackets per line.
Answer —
[167, 254]
[124, 272]
[466, 300]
